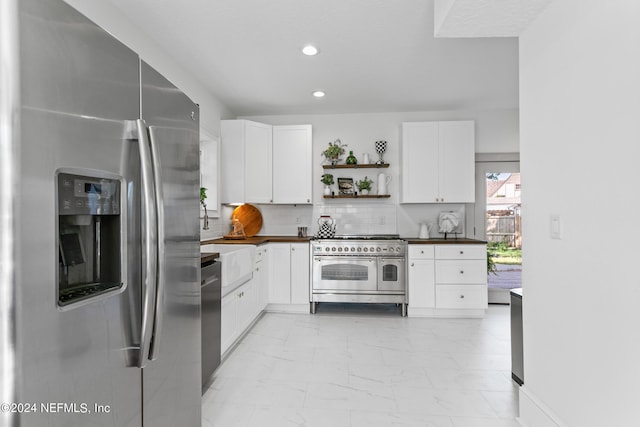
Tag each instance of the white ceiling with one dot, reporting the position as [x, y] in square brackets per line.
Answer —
[485, 18]
[375, 55]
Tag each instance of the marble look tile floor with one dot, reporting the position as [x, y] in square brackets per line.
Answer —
[367, 367]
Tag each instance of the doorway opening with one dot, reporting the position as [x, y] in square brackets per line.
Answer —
[503, 234]
[497, 215]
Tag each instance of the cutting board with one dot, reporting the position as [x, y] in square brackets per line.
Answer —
[250, 217]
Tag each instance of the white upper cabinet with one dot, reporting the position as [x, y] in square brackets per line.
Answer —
[419, 162]
[245, 162]
[265, 164]
[457, 161]
[438, 162]
[258, 163]
[292, 161]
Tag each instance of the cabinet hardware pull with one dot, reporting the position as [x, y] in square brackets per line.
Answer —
[461, 271]
[462, 296]
[411, 264]
[461, 252]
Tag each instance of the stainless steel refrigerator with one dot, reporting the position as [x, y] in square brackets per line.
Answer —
[99, 234]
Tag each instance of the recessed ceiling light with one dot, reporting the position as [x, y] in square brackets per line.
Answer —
[310, 50]
[318, 94]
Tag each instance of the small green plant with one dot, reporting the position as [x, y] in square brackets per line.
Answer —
[334, 150]
[327, 179]
[503, 253]
[491, 265]
[203, 196]
[364, 184]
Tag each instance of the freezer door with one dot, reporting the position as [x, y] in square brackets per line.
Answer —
[171, 381]
[79, 89]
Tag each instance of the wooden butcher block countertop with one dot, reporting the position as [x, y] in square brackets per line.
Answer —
[257, 240]
[438, 241]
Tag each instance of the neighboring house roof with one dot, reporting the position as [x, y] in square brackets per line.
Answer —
[493, 188]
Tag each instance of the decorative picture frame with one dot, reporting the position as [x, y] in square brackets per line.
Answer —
[345, 186]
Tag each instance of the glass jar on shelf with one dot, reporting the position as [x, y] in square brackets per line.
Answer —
[351, 159]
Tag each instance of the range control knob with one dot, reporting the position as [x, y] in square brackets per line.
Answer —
[359, 249]
[339, 249]
[333, 249]
[372, 249]
[366, 249]
[353, 249]
[379, 249]
[327, 249]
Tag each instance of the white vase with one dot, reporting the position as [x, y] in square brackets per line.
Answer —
[364, 192]
[327, 190]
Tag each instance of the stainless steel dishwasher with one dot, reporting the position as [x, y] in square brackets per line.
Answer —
[211, 300]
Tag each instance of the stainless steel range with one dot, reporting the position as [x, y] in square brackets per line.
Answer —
[363, 269]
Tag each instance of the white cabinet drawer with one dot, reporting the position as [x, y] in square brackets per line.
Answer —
[461, 296]
[421, 252]
[461, 272]
[461, 252]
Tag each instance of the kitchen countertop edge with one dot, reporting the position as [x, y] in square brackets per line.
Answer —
[259, 240]
[256, 240]
[438, 241]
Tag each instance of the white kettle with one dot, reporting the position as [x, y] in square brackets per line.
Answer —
[425, 229]
[383, 182]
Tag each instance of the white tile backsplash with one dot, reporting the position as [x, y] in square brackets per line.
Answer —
[359, 219]
[374, 218]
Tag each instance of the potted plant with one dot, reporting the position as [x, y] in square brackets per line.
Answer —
[333, 152]
[364, 185]
[327, 180]
[203, 196]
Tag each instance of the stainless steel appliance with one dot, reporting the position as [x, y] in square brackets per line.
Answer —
[100, 255]
[517, 360]
[363, 269]
[211, 287]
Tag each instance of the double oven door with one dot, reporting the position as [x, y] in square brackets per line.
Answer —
[342, 274]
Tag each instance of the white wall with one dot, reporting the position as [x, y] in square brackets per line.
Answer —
[113, 20]
[580, 147]
[497, 131]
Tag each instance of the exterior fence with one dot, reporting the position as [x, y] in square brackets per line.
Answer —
[504, 226]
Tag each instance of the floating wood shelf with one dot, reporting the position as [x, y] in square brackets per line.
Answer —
[353, 196]
[367, 166]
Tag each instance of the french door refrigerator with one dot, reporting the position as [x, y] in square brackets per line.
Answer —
[99, 243]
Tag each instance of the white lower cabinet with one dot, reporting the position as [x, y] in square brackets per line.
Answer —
[421, 278]
[461, 296]
[447, 280]
[261, 276]
[288, 276]
[244, 304]
[239, 309]
[227, 322]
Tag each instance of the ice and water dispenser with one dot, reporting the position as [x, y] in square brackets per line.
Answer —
[89, 235]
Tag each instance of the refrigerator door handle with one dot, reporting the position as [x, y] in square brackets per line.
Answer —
[160, 280]
[149, 242]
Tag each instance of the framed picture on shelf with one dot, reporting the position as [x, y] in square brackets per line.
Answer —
[345, 186]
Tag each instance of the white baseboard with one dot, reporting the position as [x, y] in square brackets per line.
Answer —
[534, 413]
[445, 313]
[288, 308]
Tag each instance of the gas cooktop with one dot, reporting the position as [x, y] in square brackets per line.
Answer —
[366, 237]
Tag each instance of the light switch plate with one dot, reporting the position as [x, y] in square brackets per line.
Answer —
[556, 227]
